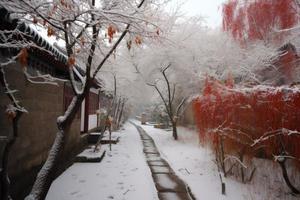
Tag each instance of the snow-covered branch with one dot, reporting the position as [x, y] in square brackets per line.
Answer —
[275, 133]
[43, 78]
[10, 93]
[236, 159]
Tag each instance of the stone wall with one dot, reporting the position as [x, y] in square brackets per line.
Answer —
[37, 128]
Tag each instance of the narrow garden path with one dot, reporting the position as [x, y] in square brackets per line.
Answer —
[168, 185]
[123, 174]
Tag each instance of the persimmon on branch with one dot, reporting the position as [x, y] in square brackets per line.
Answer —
[22, 58]
[115, 45]
[87, 22]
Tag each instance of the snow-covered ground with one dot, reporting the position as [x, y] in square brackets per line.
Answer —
[122, 175]
[195, 165]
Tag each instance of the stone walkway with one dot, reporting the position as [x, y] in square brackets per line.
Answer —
[168, 185]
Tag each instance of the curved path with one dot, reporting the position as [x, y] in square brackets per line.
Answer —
[168, 185]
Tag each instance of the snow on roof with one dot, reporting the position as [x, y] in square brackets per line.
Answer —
[40, 41]
[36, 36]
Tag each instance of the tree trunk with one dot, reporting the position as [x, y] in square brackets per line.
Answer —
[47, 173]
[116, 114]
[223, 186]
[242, 168]
[175, 136]
[121, 114]
[109, 131]
[4, 187]
[4, 178]
[286, 177]
[222, 155]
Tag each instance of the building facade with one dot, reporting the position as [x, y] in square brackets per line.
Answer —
[44, 103]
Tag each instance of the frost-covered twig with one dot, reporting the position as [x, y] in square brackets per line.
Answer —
[229, 133]
[44, 78]
[275, 133]
[9, 61]
[116, 44]
[294, 28]
[280, 158]
[234, 158]
[10, 93]
[14, 111]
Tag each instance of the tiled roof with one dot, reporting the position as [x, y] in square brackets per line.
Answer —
[9, 23]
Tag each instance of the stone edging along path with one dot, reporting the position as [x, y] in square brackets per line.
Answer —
[168, 185]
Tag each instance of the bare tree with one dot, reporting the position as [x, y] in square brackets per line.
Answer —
[169, 100]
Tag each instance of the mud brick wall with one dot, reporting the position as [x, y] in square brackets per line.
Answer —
[37, 128]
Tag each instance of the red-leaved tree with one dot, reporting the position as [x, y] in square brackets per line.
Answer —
[261, 121]
[259, 19]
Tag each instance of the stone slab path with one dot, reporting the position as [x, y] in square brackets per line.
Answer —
[168, 185]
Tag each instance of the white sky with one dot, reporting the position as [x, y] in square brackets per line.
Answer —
[211, 9]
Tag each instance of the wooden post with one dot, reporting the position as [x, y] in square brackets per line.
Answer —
[143, 118]
[86, 113]
[109, 129]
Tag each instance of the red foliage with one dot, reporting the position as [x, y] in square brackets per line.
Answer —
[228, 14]
[255, 20]
[71, 61]
[111, 30]
[248, 114]
[23, 57]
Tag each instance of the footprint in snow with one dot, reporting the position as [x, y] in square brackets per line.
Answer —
[121, 188]
[73, 193]
[79, 196]
[82, 181]
[110, 197]
[74, 176]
